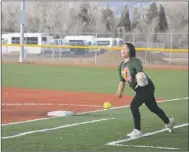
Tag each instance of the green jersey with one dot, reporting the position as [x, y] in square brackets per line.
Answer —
[128, 70]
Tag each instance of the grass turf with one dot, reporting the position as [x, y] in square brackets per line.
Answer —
[169, 84]
[94, 136]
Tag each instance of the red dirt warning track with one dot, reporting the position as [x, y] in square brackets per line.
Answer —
[27, 104]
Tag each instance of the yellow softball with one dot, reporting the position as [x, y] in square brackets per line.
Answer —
[107, 105]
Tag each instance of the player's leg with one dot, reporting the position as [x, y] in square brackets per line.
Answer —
[147, 95]
[150, 101]
[135, 104]
[153, 107]
[138, 100]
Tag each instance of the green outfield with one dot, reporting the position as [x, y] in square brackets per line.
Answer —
[94, 131]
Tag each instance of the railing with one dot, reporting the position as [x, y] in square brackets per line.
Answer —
[96, 54]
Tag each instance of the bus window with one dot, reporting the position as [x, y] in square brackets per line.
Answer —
[60, 42]
[56, 42]
[103, 43]
[66, 43]
[32, 40]
[4, 41]
[15, 40]
[114, 43]
[44, 39]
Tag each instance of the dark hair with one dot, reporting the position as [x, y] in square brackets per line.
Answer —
[131, 49]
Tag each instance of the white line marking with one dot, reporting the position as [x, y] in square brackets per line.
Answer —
[176, 99]
[28, 121]
[160, 101]
[20, 122]
[47, 104]
[55, 128]
[145, 135]
[143, 146]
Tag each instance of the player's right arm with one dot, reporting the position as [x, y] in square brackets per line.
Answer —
[120, 89]
[121, 84]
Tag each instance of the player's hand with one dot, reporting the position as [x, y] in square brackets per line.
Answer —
[119, 94]
[120, 89]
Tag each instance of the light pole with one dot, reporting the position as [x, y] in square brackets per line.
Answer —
[22, 22]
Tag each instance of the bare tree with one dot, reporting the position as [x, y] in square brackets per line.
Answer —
[125, 20]
[139, 21]
[11, 16]
[177, 16]
[152, 17]
[108, 19]
[152, 12]
[58, 17]
[162, 25]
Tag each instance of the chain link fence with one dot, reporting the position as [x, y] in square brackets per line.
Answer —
[157, 41]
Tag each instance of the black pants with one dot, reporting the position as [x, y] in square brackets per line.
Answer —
[146, 95]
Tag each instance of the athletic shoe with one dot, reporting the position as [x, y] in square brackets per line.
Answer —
[135, 134]
[171, 124]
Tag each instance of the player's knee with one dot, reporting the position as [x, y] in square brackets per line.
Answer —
[155, 110]
[133, 107]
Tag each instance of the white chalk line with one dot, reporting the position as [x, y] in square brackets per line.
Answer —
[143, 146]
[55, 128]
[160, 101]
[48, 104]
[117, 143]
[28, 121]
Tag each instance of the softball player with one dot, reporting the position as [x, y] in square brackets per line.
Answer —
[131, 71]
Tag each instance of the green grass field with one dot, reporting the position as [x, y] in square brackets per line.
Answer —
[93, 131]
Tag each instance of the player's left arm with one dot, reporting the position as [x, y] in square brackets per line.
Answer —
[141, 77]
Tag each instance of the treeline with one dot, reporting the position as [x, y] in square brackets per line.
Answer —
[61, 18]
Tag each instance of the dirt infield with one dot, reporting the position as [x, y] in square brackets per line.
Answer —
[29, 104]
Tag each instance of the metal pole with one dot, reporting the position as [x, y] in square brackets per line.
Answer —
[22, 22]
[145, 54]
[133, 39]
[96, 49]
[171, 48]
[1, 60]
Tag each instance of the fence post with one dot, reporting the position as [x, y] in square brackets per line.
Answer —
[22, 26]
[96, 49]
[43, 51]
[171, 48]
[60, 52]
[145, 53]
[53, 54]
[133, 39]
[6, 50]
